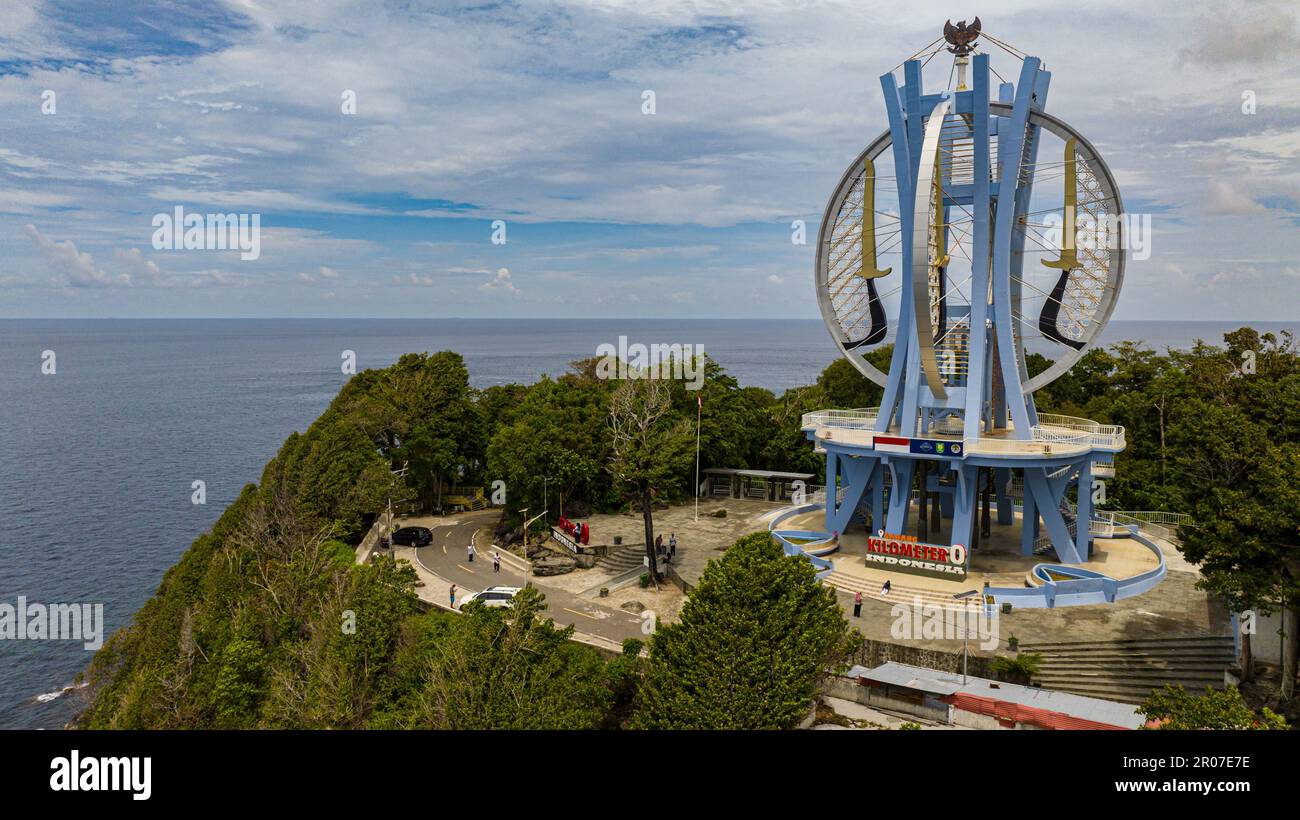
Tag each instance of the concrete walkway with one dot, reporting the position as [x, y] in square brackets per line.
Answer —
[443, 562]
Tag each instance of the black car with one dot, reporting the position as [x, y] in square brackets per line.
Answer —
[413, 536]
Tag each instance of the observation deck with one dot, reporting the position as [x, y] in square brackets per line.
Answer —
[1053, 436]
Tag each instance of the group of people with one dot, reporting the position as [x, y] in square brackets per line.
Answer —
[857, 598]
[669, 552]
[470, 552]
[579, 532]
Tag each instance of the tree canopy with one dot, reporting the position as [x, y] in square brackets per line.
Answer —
[754, 641]
[266, 621]
[1175, 708]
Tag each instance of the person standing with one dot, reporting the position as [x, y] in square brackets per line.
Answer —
[857, 604]
[659, 544]
[469, 552]
[672, 545]
[496, 562]
[453, 596]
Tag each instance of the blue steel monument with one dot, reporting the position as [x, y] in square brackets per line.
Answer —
[975, 225]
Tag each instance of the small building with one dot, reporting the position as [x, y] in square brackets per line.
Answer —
[979, 703]
[768, 485]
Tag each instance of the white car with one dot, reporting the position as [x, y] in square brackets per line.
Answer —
[494, 596]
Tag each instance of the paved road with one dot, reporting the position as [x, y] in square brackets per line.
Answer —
[446, 557]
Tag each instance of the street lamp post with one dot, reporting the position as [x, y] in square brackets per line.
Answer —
[524, 513]
[527, 522]
[546, 502]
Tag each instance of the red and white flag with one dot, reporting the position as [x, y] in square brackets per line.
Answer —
[892, 444]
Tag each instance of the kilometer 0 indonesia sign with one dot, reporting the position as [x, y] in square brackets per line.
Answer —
[905, 554]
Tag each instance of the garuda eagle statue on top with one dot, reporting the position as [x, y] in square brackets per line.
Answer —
[960, 37]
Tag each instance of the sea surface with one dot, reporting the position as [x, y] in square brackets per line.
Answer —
[97, 459]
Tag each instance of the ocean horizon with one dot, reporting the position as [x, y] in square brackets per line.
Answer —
[100, 456]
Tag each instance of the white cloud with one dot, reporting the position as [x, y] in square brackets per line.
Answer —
[139, 268]
[536, 118]
[75, 267]
[500, 282]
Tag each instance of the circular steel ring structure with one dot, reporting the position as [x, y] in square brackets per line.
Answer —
[1114, 257]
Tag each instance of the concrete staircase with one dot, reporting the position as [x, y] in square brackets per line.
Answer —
[1129, 670]
[624, 558]
[898, 593]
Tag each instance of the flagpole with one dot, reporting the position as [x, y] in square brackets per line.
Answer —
[699, 408]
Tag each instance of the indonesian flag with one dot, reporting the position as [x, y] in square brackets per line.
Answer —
[892, 444]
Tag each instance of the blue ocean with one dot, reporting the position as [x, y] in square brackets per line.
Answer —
[99, 457]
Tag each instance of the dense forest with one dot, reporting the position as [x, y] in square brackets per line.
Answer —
[266, 621]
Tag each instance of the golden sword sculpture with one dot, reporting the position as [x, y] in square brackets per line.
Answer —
[938, 312]
[941, 247]
[868, 269]
[1069, 255]
[1049, 318]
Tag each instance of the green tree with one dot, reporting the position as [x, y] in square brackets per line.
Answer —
[1019, 668]
[651, 447]
[1175, 708]
[496, 668]
[846, 388]
[245, 629]
[731, 418]
[420, 413]
[238, 684]
[1240, 476]
[342, 671]
[754, 641]
[547, 454]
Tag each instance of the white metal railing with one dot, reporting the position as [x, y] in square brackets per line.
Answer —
[1072, 429]
[1156, 516]
[1054, 433]
[1016, 487]
[1043, 541]
[1058, 420]
[1102, 523]
[1161, 524]
[861, 419]
[817, 494]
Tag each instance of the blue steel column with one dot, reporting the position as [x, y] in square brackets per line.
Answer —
[858, 474]
[977, 357]
[963, 508]
[1042, 80]
[1011, 138]
[1028, 522]
[903, 177]
[1037, 483]
[1001, 478]
[1082, 533]
[878, 498]
[913, 92]
[900, 494]
[832, 483]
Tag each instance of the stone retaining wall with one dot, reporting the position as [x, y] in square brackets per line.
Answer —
[873, 653]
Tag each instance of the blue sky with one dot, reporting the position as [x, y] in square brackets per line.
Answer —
[532, 113]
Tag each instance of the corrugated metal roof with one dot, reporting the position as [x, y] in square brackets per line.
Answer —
[773, 474]
[933, 681]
